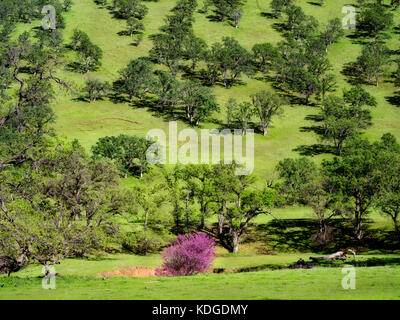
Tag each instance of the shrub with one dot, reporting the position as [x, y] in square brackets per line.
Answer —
[188, 255]
[96, 89]
[137, 243]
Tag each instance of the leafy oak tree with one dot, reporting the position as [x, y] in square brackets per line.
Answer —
[266, 105]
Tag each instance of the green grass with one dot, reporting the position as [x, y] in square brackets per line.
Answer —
[78, 280]
[78, 119]
[323, 283]
[286, 133]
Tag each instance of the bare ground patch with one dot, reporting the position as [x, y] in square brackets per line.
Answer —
[138, 272]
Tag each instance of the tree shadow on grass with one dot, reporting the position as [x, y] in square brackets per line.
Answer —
[394, 100]
[318, 4]
[314, 149]
[296, 235]
[267, 15]
[352, 74]
[152, 104]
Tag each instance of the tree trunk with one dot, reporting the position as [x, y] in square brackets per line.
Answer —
[235, 242]
[265, 130]
[145, 232]
[187, 212]
[358, 223]
[221, 220]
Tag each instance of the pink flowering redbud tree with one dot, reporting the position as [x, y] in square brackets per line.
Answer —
[188, 255]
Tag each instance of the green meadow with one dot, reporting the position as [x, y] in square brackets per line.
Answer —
[252, 274]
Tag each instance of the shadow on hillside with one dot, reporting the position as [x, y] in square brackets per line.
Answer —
[394, 100]
[352, 74]
[314, 3]
[314, 149]
[296, 235]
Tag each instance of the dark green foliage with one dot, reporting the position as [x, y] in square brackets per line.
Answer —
[279, 6]
[130, 8]
[96, 89]
[296, 173]
[198, 101]
[266, 105]
[342, 120]
[229, 60]
[301, 67]
[226, 8]
[375, 19]
[264, 55]
[166, 87]
[241, 114]
[354, 179]
[136, 79]
[128, 152]
[89, 54]
[373, 61]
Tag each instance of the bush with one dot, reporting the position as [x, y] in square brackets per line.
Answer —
[96, 89]
[188, 255]
[137, 243]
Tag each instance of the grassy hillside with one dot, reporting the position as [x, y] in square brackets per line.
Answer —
[87, 122]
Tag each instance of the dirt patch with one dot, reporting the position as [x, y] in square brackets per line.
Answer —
[104, 119]
[138, 272]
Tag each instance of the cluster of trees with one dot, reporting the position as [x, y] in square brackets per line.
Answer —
[139, 79]
[374, 22]
[177, 39]
[197, 192]
[133, 11]
[300, 62]
[366, 176]
[55, 200]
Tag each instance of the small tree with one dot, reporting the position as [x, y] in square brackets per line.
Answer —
[342, 121]
[242, 115]
[96, 89]
[199, 102]
[388, 200]
[90, 54]
[236, 15]
[188, 255]
[264, 54]
[149, 196]
[194, 49]
[230, 107]
[373, 61]
[136, 79]
[134, 26]
[266, 105]
[375, 19]
[166, 87]
[353, 178]
[129, 152]
[279, 6]
[333, 31]
[79, 37]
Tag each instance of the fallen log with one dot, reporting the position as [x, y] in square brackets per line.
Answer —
[340, 255]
